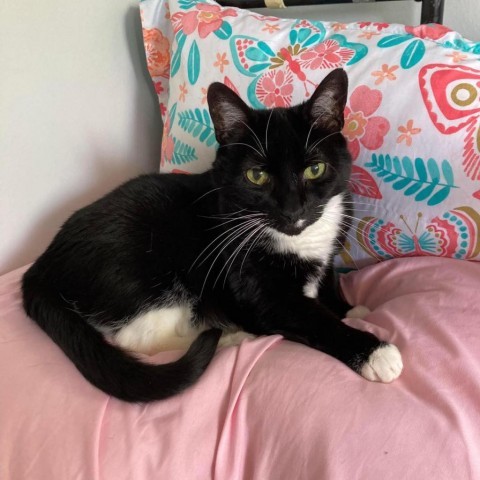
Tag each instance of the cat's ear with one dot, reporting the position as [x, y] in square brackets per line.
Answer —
[326, 106]
[228, 111]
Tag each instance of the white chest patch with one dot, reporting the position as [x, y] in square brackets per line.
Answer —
[316, 242]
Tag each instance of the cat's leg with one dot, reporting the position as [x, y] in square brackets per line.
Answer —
[304, 320]
[330, 295]
[160, 329]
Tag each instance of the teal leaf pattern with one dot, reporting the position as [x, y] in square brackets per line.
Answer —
[183, 153]
[393, 40]
[412, 54]
[193, 65]
[425, 180]
[177, 56]
[197, 122]
[187, 4]
[224, 32]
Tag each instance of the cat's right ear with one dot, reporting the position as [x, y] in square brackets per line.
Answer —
[228, 111]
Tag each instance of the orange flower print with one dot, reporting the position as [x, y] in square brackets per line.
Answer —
[386, 73]
[204, 95]
[270, 28]
[221, 62]
[355, 126]
[157, 50]
[406, 133]
[457, 57]
[183, 92]
[368, 35]
[338, 27]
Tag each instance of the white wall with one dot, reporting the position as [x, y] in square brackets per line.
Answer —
[78, 114]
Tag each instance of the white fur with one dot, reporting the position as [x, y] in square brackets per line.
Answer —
[383, 365]
[159, 330]
[310, 289]
[317, 240]
[359, 311]
[234, 338]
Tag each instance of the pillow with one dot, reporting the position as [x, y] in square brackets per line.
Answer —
[412, 118]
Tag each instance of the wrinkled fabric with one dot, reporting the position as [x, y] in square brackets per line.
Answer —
[268, 409]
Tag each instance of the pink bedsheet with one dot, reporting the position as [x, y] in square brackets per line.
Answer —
[268, 409]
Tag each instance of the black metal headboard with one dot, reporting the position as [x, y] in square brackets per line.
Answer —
[432, 10]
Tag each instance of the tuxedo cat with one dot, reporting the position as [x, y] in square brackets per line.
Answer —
[175, 261]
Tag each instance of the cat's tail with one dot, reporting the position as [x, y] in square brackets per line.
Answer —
[108, 367]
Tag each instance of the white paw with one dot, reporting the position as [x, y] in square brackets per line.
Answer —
[359, 311]
[383, 365]
[236, 338]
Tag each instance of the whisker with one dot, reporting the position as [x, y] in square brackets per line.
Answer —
[318, 142]
[205, 194]
[259, 143]
[343, 248]
[244, 230]
[235, 255]
[234, 228]
[261, 234]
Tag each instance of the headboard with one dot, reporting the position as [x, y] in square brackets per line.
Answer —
[432, 10]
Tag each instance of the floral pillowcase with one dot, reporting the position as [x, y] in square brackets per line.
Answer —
[412, 118]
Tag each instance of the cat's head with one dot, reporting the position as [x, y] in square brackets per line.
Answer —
[285, 163]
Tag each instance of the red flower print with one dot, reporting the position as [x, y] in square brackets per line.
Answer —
[158, 87]
[432, 32]
[361, 127]
[275, 89]
[378, 25]
[328, 54]
[206, 18]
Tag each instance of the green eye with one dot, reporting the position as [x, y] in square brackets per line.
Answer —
[314, 171]
[257, 176]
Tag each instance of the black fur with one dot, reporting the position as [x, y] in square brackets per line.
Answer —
[152, 239]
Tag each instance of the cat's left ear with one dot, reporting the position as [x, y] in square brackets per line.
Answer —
[228, 111]
[326, 106]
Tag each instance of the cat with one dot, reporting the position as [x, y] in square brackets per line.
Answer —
[187, 261]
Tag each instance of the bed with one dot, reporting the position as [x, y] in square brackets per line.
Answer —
[269, 408]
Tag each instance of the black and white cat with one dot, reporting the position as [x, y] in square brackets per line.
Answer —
[173, 261]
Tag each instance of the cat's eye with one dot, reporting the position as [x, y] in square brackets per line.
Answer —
[314, 171]
[257, 176]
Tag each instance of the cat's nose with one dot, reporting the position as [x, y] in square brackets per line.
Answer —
[292, 216]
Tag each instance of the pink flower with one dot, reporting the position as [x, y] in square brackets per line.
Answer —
[432, 31]
[275, 88]
[361, 127]
[207, 18]
[327, 54]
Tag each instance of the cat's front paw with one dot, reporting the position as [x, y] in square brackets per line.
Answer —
[383, 365]
[234, 338]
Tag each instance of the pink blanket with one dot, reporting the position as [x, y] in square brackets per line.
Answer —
[268, 409]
